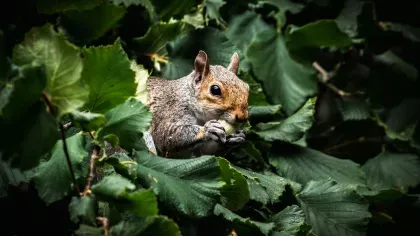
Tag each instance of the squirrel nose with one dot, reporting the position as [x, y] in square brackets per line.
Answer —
[241, 117]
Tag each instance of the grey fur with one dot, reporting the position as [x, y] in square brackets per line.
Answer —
[179, 118]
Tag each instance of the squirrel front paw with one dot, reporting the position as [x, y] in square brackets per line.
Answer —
[215, 131]
[235, 139]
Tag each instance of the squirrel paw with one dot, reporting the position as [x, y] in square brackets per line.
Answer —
[215, 131]
[236, 138]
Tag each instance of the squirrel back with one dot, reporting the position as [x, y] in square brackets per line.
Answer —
[185, 110]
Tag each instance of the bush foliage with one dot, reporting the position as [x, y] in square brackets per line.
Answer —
[333, 147]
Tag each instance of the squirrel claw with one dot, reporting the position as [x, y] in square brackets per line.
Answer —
[235, 139]
[215, 131]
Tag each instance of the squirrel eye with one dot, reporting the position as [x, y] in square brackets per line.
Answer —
[215, 90]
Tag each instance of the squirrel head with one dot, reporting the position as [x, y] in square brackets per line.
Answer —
[221, 94]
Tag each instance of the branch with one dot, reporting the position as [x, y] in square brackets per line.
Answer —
[326, 78]
[68, 125]
[63, 138]
[351, 142]
[93, 158]
[105, 224]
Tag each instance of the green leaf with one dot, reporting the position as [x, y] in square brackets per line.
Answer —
[321, 33]
[156, 225]
[302, 165]
[257, 112]
[356, 18]
[145, 3]
[256, 95]
[52, 178]
[9, 177]
[126, 170]
[82, 27]
[141, 79]
[159, 34]
[392, 170]
[334, 209]
[120, 191]
[287, 83]
[241, 30]
[401, 121]
[397, 65]
[353, 109]
[259, 227]
[54, 6]
[63, 66]
[192, 186]
[385, 196]
[22, 92]
[290, 220]
[235, 193]
[266, 186]
[87, 230]
[23, 112]
[285, 5]
[184, 49]
[212, 11]
[292, 128]
[172, 8]
[87, 121]
[408, 31]
[107, 73]
[83, 209]
[127, 121]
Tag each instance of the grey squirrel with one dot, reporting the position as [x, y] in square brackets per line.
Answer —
[185, 111]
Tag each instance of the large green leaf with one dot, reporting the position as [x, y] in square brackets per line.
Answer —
[255, 228]
[87, 121]
[156, 225]
[290, 129]
[9, 177]
[235, 193]
[87, 230]
[356, 17]
[334, 209]
[159, 34]
[83, 209]
[192, 186]
[54, 6]
[353, 109]
[256, 95]
[212, 11]
[397, 65]
[321, 33]
[290, 221]
[265, 186]
[285, 81]
[107, 73]
[120, 191]
[408, 31]
[303, 164]
[127, 121]
[392, 170]
[63, 66]
[22, 112]
[184, 49]
[52, 178]
[141, 79]
[172, 8]
[82, 27]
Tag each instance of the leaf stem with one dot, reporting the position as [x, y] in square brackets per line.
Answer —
[93, 158]
[325, 80]
[63, 139]
[66, 153]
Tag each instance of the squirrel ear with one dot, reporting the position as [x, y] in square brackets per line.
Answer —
[234, 63]
[201, 65]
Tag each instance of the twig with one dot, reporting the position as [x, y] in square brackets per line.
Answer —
[93, 158]
[157, 57]
[350, 142]
[105, 224]
[68, 125]
[63, 139]
[326, 78]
